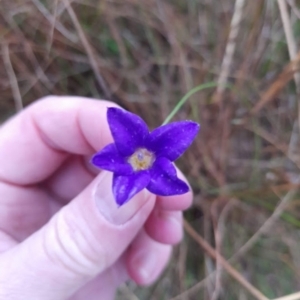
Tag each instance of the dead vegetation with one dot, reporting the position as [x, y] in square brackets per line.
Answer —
[243, 231]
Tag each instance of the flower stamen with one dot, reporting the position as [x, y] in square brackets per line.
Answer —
[141, 159]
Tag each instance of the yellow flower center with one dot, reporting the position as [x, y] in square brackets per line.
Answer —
[141, 159]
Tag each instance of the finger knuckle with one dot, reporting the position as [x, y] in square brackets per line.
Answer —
[67, 244]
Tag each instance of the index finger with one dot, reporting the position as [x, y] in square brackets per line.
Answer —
[34, 143]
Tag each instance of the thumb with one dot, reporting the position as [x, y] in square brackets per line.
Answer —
[82, 240]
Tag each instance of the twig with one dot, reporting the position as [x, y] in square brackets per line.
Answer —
[194, 288]
[215, 255]
[279, 146]
[40, 74]
[291, 43]
[230, 47]
[88, 50]
[294, 7]
[219, 225]
[295, 296]
[246, 247]
[12, 77]
[208, 261]
[266, 226]
[51, 35]
[55, 23]
[116, 33]
[281, 81]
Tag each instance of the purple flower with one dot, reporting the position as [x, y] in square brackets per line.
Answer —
[142, 159]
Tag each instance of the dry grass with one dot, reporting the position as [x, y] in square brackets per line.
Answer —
[146, 55]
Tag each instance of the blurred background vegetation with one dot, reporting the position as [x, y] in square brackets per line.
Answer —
[244, 166]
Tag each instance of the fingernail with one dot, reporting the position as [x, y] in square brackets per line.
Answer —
[107, 205]
[145, 263]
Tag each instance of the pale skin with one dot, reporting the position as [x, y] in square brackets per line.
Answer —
[60, 235]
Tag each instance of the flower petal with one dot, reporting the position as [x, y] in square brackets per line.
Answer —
[173, 139]
[128, 130]
[125, 187]
[110, 159]
[164, 181]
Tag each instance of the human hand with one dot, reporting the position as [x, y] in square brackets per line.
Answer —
[61, 234]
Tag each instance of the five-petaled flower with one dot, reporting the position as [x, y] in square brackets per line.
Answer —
[141, 159]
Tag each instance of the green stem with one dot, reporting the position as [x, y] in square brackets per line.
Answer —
[186, 97]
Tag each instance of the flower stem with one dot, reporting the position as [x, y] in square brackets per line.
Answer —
[194, 90]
